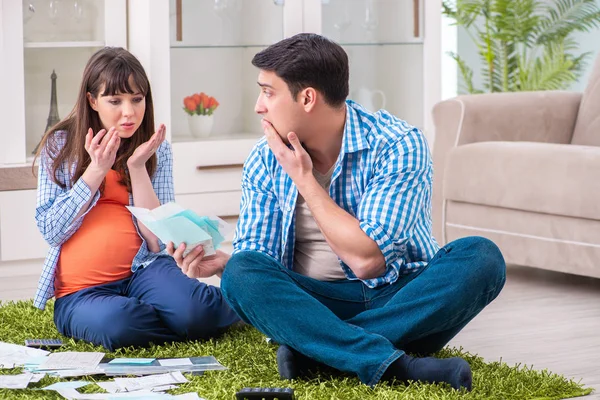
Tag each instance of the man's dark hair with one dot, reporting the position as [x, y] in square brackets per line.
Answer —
[308, 60]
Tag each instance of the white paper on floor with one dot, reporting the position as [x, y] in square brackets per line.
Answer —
[74, 373]
[36, 377]
[15, 381]
[163, 388]
[73, 394]
[109, 386]
[14, 354]
[189, 396]
[67, 385]
[112, 387]
[71, 360]
[150, 381]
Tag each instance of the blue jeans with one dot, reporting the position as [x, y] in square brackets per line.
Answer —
[157, 304]
[352, 328]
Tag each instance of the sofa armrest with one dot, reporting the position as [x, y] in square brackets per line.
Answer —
[521, 116]
[544, 116]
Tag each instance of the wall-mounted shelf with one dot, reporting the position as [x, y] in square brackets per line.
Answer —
[61, 45]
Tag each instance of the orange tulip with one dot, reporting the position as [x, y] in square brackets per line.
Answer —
[203, 100]
[196, 98]
[200, 103]
[213, 103]
[190, 104]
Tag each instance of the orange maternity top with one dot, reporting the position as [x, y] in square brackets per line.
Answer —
[103, 248]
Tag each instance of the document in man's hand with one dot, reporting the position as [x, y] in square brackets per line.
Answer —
[173, 223]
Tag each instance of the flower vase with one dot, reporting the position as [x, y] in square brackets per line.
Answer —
[200, 125]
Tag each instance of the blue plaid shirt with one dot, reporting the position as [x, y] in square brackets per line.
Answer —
[382, 177]
[56, 210]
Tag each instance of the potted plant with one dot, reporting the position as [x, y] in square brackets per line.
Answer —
[200, 108]
[524, 44]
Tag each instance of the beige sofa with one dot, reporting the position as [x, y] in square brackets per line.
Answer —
[522, 169]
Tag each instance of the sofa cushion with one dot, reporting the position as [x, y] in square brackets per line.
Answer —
[545, 241]
[550, 178]
[587, 128]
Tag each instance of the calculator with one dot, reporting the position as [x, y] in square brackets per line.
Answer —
[265, 394]
[44, 343]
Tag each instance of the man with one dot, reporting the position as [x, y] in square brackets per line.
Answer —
[333, 254]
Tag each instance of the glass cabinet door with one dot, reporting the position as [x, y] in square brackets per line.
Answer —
[50, 44]
[212, 43]
[384, 42]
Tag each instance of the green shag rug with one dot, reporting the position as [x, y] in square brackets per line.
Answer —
[251, 362]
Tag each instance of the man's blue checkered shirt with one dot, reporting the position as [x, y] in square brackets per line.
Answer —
[56, 210]
[382, 177]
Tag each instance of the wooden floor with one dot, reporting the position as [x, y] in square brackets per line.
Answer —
[545, 319]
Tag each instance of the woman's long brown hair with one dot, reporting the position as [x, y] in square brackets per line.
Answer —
[111, 68]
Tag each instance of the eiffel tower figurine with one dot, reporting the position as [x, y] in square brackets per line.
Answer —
[53, 117]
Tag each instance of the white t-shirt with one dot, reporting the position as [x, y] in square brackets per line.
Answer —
[312, 256]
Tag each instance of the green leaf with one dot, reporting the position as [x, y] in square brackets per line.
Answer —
[466, 73]
[524, 44]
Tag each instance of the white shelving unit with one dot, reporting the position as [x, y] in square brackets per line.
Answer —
[60, 45]
[33, 45]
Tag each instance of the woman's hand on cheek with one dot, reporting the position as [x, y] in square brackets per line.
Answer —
[102, 148]
[145, 150]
